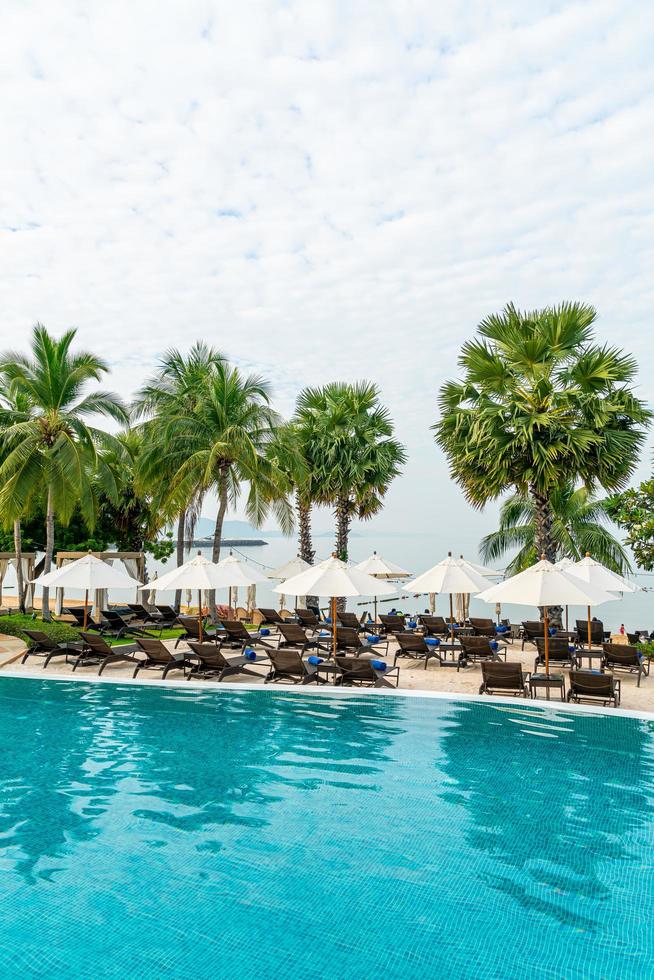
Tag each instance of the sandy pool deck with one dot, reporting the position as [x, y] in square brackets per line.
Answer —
[413, 676]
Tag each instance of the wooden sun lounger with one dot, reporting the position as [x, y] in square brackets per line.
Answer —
[590, 686]
[159, 657]
[504, 677]
[212, 661]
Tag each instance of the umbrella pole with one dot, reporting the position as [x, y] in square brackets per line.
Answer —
[566, 619]
[451, 622]
[589, 630]
[546, 627]
[333, 612]
[200, 614]
[86, 606]
[375, 608]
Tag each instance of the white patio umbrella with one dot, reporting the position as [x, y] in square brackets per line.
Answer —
[333, 578]
[292, 567]
[452, 576]
[197, 573]
[231, 572]
[88, 573]
[593, 573]
[381, 568]
[544, 585]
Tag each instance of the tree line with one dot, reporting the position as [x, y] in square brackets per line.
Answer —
[198, 426]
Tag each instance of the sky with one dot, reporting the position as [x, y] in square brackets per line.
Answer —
[326, 190]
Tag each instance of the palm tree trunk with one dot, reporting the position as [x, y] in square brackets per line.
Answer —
[218, 532]
[49, 552]
[181, 533]
[305, 542]
[343, 518]
[544, 542]
[18, 548]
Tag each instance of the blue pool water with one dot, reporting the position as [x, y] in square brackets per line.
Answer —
[172, 833]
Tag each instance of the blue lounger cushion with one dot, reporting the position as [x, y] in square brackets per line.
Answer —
[379, 664]
[494, 645]
[432, 641]
[314, 661]
[249, 653]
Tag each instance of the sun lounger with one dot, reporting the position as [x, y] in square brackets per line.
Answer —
[159, 657]
[269, 617]
[191, 628]
[168, 614]
[351, 621]
[591, 686]
[483, 627]
[393, 624]
[478, 648]
[561, 653]
[292, 635]
[96, 650]
[145, 617]
[350, 639]
[531, 630]
[366, 673]
[597, 632]
[117, 626]
[434, 625]
[504, 678]
[308, 619]
[77, 614]
[288, 665]
[211, 661]
[236, 635]
[417, 647]
[44, 646]
[628, 658]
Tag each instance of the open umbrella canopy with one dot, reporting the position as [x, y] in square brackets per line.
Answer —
[543, 584]
[593, 573]
[88, 573]
[292, 567]
[197, 573]
[450, 576]
[381, 567]
[333, 577]
[232, 572]
[482, 570]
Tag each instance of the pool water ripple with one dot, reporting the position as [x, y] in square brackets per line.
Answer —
[150, 832]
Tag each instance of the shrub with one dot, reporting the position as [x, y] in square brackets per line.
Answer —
[14, 626]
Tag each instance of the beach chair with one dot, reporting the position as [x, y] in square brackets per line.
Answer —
[350, 639]
[168, 615]
[213, 661]
[597, 632]
[531, 630]
[77, 613]
[144, 617]
[292, 635]
[351, 621]
[417, 647]
[483, 627]
[392, 624]
[236, 635]
[159, 657]
[191, 631]
[475, 649]
[309, 620]
[506, 677]
[44, 646]
[592, 686]
[628, 658]
[434, 625]
[96, 650]
[269, 617]
[117, 626]
[561, 653]
[288, 665]
[359, 671]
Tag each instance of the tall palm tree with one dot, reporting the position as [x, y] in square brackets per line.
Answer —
[13, 404]
[579, 522]
[287, 451]
[540, 402]
[51, 447]
[172, 391]
[350, 451]
[222, 445]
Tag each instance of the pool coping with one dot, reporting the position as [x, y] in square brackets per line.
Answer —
[331, 691]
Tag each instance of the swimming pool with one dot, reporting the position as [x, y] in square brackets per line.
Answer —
[150, 832]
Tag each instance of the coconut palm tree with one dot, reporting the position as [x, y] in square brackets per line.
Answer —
[13, 404]
[539, 403]
[579, 522]
[350, 451]
[221, 445]
[52, 450]
[172, 391]
[287, 452]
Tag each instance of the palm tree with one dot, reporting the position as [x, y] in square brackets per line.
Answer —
[287, 451]
[350, 451]
[13, 403]
[222, 443]
[51, 447]
[578, 526]
[540, 402]
[172, 391]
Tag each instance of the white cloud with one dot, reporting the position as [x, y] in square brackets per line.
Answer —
[325, 189]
